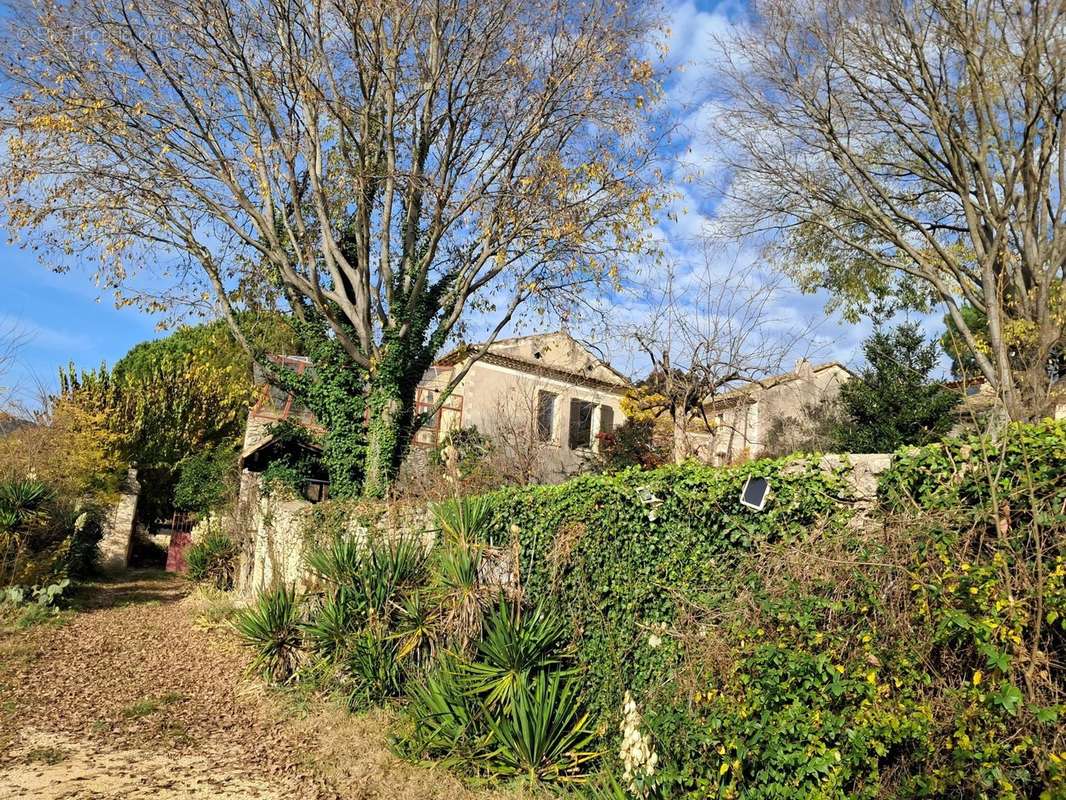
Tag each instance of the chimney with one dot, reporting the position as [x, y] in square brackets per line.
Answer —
[804, 370]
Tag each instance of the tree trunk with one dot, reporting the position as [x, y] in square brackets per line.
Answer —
[384, 443]
[681, 451]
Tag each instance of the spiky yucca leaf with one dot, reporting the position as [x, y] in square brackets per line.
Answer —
[338, 617]
[374, 669]
[445, 724]
[463, 519]
[271, 627]
[515, 643]
[544, 734]
[460, 593]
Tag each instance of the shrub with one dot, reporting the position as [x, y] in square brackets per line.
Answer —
[271, 627]
[634, 443]
[205, 480]
[213, 559]
[45, 537]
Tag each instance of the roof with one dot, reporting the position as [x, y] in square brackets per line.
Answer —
[492, 356]
[736, 395]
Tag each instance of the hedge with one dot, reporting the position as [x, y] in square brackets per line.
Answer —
[621, 568]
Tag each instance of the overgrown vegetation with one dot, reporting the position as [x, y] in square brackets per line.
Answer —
[44, 537]
[790, 653]
[213, 559]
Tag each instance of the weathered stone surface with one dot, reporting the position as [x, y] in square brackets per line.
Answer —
[119, 526]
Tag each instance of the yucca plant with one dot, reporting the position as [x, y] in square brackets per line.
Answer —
[544, 734]
[416, 627]
[338, 561]
[445, 720]
[336, 619]
[459, 591]
[516, 642]
[271, 627]
[374, 669]
[390, 566]
[463, 519]
[213, 559]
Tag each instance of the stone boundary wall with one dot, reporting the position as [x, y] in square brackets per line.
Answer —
[119, 527]
[275, 530]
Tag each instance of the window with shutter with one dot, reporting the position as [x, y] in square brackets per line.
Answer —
[606, 419]
[580, 425]
[545, 416]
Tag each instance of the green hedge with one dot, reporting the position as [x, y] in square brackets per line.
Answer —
[620, 568]
[787, 654]
[977, 471]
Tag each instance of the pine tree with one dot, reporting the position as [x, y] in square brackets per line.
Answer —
[895, 401]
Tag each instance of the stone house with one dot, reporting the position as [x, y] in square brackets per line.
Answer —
[545, 394]
[743, 420]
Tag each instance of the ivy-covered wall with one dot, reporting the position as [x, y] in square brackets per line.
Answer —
[622, 568]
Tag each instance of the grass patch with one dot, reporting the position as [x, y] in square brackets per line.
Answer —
[150, 705]
[34, 615]
[46, 755]
[212, 608]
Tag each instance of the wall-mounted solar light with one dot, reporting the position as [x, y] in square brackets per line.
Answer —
[755, 492]
[646, 497]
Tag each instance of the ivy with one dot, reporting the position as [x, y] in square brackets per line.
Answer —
[619, 566]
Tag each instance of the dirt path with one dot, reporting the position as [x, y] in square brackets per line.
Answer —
[129, 699]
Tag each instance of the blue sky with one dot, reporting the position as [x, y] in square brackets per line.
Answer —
[64, 317]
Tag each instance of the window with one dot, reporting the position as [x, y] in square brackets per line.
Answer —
[580, 424]
[606, 419]
[545, 416]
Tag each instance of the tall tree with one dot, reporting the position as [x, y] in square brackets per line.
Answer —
[916, 149]
[895, 401]
[374, 167]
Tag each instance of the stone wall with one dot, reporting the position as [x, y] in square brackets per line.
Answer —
[119, 527]
[276, 532]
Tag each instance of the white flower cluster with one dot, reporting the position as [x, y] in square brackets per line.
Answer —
[638, 756]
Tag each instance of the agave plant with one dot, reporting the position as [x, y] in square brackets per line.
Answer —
[271, 627]
[516, 642]
[463, 519]
[544, 734]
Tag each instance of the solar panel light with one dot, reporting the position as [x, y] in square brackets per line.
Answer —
[646, 497]
[755, 493]
[644, 494]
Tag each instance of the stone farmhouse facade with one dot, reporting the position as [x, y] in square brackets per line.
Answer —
[546, 387]
[743, 419]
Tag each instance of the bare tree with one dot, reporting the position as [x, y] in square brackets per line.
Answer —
[914, 150]
[12, 339]
[518, 454]
[708, 332]
[374, 167]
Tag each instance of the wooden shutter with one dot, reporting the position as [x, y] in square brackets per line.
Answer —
[606, 419]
